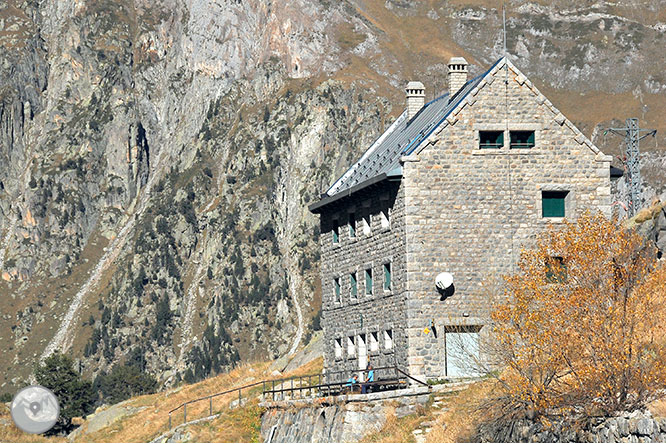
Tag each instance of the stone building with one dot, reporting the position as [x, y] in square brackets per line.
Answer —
[456, 185]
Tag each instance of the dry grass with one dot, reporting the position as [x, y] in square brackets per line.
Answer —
[454, 421]
[465, 413]
[232, 425]
[10, 433]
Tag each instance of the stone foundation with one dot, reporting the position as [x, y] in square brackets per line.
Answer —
[345, 418]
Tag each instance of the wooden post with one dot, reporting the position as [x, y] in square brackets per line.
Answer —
[239, 398]
[210, 407]
[185, 413]
[169, 421]
[273, 391]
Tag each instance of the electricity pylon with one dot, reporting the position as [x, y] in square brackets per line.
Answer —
[632, 172]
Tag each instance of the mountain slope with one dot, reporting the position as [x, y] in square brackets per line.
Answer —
[156, 160]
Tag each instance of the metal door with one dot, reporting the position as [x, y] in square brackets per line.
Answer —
[462, 352]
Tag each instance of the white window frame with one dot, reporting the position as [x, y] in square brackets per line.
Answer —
[374, 341]
[338, 348]
[351, 345]
[388, 339]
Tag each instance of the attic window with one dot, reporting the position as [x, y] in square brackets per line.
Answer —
[352, 225]
[367, 228]
[521, 139]
[491, 139]
[386, 218]
[336, 232]
[553, 203]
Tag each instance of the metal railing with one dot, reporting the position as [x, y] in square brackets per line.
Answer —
[319, 384]
[210, 400]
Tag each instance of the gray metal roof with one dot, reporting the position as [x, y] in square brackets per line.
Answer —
[400, 139]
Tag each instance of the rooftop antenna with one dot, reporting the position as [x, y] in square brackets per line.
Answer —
[632, 137]
[504, 27]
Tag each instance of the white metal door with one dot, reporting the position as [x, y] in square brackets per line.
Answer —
[462, 353]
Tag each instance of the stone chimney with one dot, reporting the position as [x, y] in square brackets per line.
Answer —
[415, 98]
[457, 74]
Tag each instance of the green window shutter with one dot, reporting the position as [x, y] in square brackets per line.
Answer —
[491, 139]
[553, 203]
[337, 289]
[521, 139]
[336, 233]
[353, 285]
[352, 225]
[368, 281]
[387, 276]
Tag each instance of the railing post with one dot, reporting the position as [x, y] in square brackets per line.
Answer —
[169, 421]
[185, 413]
[292, 388]
[210, 406]
[273, 391]
[239, 398]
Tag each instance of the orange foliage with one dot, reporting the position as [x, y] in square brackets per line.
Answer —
[581, 330]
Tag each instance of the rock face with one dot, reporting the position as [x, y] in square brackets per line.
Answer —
[341, 419]
[627, 427]
[156, 159]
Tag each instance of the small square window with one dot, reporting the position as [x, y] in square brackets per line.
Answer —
[351, 346]
[374, 342]
[352, 225]
[338, 348]
[336, 233]
[385, 216]
[338, 294]
[353, 285]
[367, 229]
[553, 203]
[491, 139]
[556, 270]
[387, 276]
[521, 139]
[368, 281]
[388, 339]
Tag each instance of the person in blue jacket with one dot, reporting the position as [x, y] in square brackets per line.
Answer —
[369, 380]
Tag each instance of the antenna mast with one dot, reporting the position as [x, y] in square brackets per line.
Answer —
[504, 27]
[632, 138]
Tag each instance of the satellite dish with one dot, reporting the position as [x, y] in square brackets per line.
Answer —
[444, 281]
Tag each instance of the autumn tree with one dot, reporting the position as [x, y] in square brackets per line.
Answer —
[581, 328]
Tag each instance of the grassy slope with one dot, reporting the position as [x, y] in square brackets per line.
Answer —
[237, 425]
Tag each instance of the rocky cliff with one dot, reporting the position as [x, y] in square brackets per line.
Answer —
[156, 158]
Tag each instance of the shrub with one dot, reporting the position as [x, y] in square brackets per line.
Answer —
[123, 382]
[581, 331]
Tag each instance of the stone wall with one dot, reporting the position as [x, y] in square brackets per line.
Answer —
[627, 427]
[469, 211]
[339, 419]
[365, 314]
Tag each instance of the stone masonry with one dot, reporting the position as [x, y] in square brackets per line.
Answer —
[455, 208]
